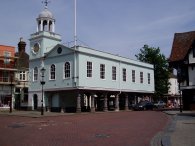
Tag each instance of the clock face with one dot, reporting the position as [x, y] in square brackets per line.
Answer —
[36, 47]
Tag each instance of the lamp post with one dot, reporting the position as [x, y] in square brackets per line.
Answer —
[11, 85]
[42, 83]
[179, 81]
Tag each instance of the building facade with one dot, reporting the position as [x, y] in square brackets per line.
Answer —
[81, 78]
[182, 58]
[7, 76]
[173, 97]
[22, 74]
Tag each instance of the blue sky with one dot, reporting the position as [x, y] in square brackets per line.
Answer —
[116, 26]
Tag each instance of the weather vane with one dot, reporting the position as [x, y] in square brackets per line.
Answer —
[46, 2]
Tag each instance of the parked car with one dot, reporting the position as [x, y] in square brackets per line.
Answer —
[144, 105]
[159, 104]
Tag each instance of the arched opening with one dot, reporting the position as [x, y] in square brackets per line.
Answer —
[35, 101]
[39, 26]
[50, 26]
[45, 25]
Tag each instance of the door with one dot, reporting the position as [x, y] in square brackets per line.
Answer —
[35, 99]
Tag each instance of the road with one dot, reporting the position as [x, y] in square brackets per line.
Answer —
[133, 128]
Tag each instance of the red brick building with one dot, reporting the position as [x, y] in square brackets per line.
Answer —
[7, 74]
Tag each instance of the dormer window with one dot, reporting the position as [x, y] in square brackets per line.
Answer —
[7, 56]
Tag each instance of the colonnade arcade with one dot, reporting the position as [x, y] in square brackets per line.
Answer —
[99, 101]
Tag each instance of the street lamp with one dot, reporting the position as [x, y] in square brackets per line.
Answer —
[179, 81]
[11, 85]
[42, 83]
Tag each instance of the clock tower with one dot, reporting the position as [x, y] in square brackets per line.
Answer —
[45, 38]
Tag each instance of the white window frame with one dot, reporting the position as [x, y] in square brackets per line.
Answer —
[114, 73]
[52, 72]
[89, 69]
[141, 77]
[124, 73]
[102, 71]
[7, 56]
[35, 75]
[133, 76]
[67, 71]
[22, 76]
[149, 78]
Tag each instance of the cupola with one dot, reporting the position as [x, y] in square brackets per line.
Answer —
[45, 20]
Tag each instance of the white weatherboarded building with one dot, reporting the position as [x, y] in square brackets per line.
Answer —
[81, 78]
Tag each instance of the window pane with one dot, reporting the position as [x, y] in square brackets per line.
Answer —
[124, 74]
[67, 70]
[52, 72]
[133, 76]
[148, 78]
[114, 73]
[22, 76]
[102, 71]
[7, 56]
[141, 77]
[89, 69]
[35, 74]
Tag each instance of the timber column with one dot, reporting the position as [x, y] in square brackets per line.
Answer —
[88, 103]
[78, 110]
[126, 102]
[62, 105]
[105, 103]
[117, 102]
[92, 103]
[49, 104]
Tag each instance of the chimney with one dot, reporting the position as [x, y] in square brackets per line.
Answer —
[21, 46]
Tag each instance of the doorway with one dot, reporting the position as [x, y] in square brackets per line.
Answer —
[35, 99]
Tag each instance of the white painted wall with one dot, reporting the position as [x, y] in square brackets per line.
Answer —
[173, 90]
[191, 71]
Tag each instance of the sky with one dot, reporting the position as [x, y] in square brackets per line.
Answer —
[119, 27]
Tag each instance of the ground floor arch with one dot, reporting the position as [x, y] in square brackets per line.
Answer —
[91, 101]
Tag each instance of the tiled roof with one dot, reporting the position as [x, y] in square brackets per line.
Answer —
[181, 44]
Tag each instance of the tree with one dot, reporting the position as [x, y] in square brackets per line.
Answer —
[161, 69]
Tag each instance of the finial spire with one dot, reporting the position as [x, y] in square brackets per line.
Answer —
[46, 2]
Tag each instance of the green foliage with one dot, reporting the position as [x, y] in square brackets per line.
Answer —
[161, 68]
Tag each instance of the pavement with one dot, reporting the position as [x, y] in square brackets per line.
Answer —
[33, 114]
[179, 132]
[123, 128]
